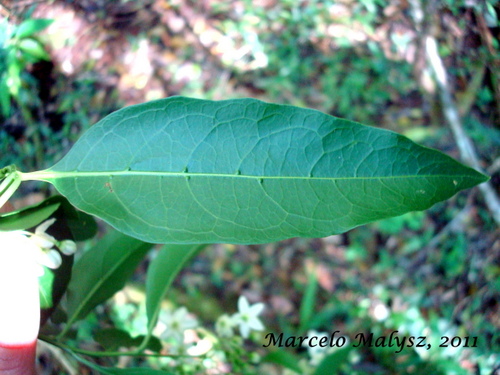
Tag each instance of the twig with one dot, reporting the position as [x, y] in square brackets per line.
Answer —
[464, 143]
[494, 167]
[436, 65]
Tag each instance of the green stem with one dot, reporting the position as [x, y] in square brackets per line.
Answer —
[12, 180]
[134, 353]
[5, 171]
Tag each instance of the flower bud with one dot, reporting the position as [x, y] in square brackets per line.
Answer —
[42, 239]
[51, 259]
[67, 247]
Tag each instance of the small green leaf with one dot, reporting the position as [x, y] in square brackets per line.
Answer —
[112, 339]
[28, 217]
[45, 287]
[81, 226]
[285, 359]
[182, 170]
[308, 302]
[31, 27]
[14, 75]
[4, 96]
[332, 363]
[162, 271]
[101, 272]
[34, 48]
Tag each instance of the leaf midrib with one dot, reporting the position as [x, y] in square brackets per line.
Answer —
[53, 175]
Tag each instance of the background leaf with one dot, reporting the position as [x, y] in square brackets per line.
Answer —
[33, 48]
[112, 339]
[185, 170]
[308, 303]
[102, 271]
[162, 271]
[4, 95]
[333, 362]
[32, 26]
[285, 359]
[45, 283]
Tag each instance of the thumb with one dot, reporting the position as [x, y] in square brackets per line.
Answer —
[19, 306]
[18, 360]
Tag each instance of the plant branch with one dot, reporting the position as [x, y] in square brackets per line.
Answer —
[450, 110]
[9, 185]
[464, 143]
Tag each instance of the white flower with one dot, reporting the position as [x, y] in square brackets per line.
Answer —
[224, 326]
[246, 317]
[381, 312]
[42, 239]
[176, 323]
[39, 246]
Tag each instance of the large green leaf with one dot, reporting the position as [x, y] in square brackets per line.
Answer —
[243, 171]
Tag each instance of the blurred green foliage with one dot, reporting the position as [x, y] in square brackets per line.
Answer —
[309, 62]
[18, 48]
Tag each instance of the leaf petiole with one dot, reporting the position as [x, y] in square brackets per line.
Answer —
[12, 180]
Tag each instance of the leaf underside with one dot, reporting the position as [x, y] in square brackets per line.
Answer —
[182, 170]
